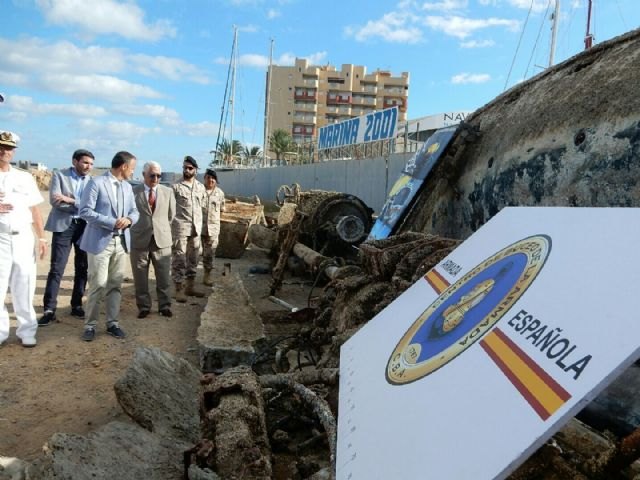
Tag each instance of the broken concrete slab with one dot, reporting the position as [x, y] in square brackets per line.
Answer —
[160, 393]
[12, 468]
[233, 414]
[117, 450]
[228, 326]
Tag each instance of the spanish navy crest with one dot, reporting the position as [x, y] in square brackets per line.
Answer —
[466, 310]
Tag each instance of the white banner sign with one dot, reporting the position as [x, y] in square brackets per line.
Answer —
[477, 364]
[378, 125]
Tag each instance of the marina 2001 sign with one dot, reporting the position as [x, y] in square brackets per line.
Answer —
[379, 125]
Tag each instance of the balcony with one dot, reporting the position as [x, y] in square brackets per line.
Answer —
[333, 99]
[305, 106]
[370, 88]
[308, 82]
[306, 95]
[395, 91]
[302, 118]
[401, 103]
[303, 130]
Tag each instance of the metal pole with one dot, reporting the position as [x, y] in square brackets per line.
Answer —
[265, 143]
[588, 39]
[554, 32]
[234, 58]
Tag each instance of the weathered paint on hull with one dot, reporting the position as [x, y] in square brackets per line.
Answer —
[568, 137]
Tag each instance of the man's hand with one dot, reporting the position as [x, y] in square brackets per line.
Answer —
[42, 248]
[122, 223]
[60, 198]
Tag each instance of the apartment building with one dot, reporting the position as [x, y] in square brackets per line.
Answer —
[306, 97]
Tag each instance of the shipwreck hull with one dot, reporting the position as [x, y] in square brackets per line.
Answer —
[568, 137]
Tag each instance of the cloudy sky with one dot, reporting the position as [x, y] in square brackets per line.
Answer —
[149, 76]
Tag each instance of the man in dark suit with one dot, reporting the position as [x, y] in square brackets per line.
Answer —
[64, 221]
[151, 240]
[110, 210]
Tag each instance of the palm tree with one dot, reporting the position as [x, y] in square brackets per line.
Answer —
[223, 155]
[251, 153]
[281, 143]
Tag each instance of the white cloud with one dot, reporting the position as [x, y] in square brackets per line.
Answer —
[445, 5]
[166, 116]
[120, 134]
[248, 28]
[97, 86]
[463, 78]
[255, 60]
[33, 62]
[461, 27]
[172, 68]
[251, 60]
[105, 17]
[272, 13]
[477, 44]
[15, 79]
[538, 5]
[35, 55]
[393, 27]
[201, 129]
[22, 104]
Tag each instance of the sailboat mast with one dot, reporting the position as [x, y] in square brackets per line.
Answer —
[554, 32]
[588, 39]
[266, 108]
[234, 64]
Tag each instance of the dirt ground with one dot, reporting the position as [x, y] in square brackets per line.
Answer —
[66, 384]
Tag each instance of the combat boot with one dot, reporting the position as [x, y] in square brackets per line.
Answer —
[207, 278]
[180, 294]
[190, 289]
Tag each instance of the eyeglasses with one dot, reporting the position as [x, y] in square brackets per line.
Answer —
[154, 175]
[188, 168]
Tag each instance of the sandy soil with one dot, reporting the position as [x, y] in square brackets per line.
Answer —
[66, 385]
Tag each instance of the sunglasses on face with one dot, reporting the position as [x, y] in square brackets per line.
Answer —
[153, 175]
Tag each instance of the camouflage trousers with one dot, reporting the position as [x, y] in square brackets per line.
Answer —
[209, 245]
[210, 235]
[184, 262]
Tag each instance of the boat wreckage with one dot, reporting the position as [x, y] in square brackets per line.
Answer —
[263, 403]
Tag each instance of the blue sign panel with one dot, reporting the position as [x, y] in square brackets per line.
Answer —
[378, 125]
[411, 179]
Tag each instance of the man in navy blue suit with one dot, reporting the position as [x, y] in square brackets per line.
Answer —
[64, 221]
[109, 208]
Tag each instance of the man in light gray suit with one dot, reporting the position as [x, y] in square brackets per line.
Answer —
[64, 221]
[151, 240]
[109, 208]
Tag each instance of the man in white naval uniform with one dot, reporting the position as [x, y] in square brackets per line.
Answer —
[19, 199]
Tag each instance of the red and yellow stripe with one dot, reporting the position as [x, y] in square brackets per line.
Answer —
[437, 281]
[541, 391]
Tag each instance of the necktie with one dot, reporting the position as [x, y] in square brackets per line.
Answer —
[152, 200]
[120, 199]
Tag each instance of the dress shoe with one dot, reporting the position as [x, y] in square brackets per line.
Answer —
[77, 312]
[29, 342]
[166, 312]
[47, 319]
[89, 334]
[116, 331]
[143, 313]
